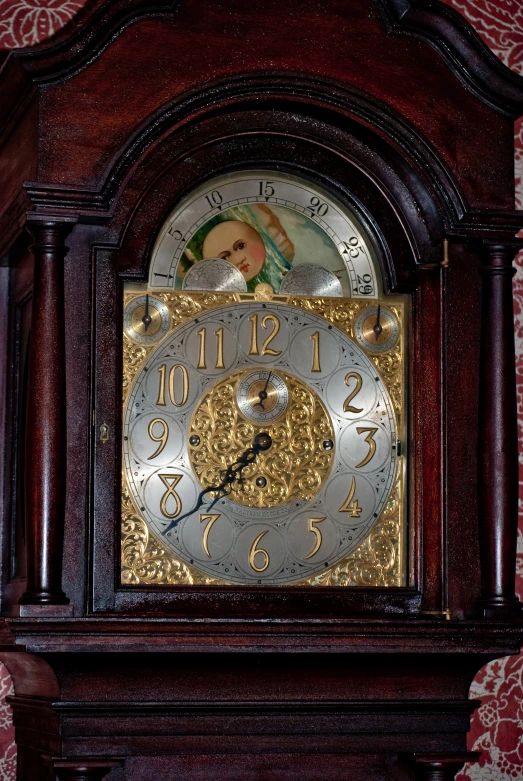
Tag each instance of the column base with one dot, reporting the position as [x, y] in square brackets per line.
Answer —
[442, 767]
[43, 598]
[497, 607]
[82, 768]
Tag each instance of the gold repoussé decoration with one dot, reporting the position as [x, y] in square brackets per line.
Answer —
[295, 467]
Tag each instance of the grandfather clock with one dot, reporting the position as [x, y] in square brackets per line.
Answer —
[260, 474]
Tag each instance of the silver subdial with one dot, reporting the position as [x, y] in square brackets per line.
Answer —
[146, 319]
[377, 329]
[262, 396]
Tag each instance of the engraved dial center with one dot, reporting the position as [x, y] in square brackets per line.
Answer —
[296, 465]
[377, 335]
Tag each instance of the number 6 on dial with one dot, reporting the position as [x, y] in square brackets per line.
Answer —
[254, 552]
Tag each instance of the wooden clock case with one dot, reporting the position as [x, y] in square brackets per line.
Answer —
[398, 108]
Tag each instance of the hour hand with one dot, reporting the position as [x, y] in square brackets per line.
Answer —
[147, 319]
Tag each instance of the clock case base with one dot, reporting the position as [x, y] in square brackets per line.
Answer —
[302, 700]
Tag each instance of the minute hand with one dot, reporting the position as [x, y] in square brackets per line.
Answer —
[233, 473]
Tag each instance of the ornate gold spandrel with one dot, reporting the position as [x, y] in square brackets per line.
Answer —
[182, 308]
[342, 314]
[378, 560]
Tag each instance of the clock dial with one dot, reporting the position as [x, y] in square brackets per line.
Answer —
[267, 225]
[146, 319]
[195, 407]
[262, 396]
[377, 329]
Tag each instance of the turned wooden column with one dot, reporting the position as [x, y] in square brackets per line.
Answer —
[45, 466]
[442, 767]
[82, 768]
[498, 437]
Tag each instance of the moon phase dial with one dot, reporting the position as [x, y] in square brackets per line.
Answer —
[146, 319]
[377, 329]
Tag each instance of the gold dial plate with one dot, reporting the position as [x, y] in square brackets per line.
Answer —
[379, 560]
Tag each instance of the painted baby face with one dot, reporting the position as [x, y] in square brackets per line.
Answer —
[238, 243]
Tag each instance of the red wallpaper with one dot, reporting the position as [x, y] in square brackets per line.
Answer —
[497, 727]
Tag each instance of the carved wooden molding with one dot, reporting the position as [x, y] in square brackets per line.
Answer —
[460, 46]
[290, 92]
[455, 40]
[86, 36]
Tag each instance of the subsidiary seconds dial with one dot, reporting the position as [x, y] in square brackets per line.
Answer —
[262, 396]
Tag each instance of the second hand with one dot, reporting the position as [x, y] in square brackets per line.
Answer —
[263, 393]
[377, 327]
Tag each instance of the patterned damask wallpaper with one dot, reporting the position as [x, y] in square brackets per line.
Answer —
[497, 727]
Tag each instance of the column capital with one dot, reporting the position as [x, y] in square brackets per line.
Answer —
[49, 232]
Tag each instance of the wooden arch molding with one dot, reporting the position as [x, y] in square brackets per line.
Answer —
[97, 24]
[367, 119]
[351, 160]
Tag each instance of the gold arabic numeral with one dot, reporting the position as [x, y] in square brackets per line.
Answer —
[170, 492]
[316, 352]
[161, 389]
[312, 528]
[350, 505]
[185, 385]
[253, 350]
[265, 350]
[201, 359]
[347, 407]
[219, 348]
[172, 393]
[202, 335]
[162, 438]
[369, 439]
[255, 551]
[211, 518]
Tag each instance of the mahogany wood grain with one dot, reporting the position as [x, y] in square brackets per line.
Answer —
[125, 112]
[81, 768]
[45, 467]
[498, 437]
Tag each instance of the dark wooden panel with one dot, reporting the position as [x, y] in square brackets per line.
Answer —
[122, 91]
